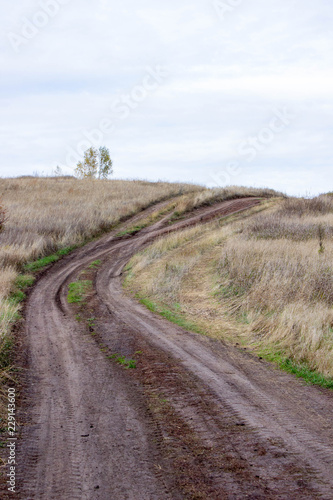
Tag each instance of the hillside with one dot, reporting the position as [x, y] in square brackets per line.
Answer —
[263, 280]
[170, 398]
[46, 215]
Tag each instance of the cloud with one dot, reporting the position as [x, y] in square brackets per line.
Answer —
[226, 75]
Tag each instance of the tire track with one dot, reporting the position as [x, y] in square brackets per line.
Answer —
[85, 434]
[271, 418]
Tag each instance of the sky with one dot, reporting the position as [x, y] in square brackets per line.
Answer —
[234, 92]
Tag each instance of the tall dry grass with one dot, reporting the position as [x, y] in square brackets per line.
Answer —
[208, 197]
[267, 280]
[46, 214]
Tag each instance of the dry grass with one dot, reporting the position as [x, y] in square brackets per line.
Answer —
[266, 281]
[301, 206]
[210, 196]
[47, 214]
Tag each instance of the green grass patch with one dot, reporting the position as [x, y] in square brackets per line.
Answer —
[132, 230]
[23, 281]
[39, 264]
[66, 250]
[17, 297]
[77, 291]
[176, 216]
[300, 370]
[6, 352]
[173, 316]
[95, 264]
[122, 360]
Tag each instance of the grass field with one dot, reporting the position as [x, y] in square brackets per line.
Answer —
[190, 273]
[47, 217]
[264, 281]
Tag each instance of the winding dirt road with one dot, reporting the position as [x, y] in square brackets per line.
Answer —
[195, 419]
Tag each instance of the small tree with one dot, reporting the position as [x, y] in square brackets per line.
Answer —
[96, 163]
[105, 163]
[88, 167]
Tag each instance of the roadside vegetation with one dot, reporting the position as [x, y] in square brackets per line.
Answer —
[123, 361]
[77, 291]
[263, 281]
[48, 217]
[43, 219]
[208, 197]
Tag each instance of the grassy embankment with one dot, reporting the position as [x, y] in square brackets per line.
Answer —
[263, 281]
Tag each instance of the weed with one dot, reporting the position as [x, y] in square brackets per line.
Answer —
[66, 250]
[38, 264]
[23, 281]
[77, 291]
[131, 363]
[3, 217]
[122, 360]
[6, 353]
[17, 297]
[132, 230]
[300, 207]
[95, 264]
[91, 322]
[300, 370]
[170, 315]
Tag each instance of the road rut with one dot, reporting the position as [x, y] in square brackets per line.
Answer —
[90, 432]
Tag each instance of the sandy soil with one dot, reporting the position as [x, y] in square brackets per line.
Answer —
[195, 418]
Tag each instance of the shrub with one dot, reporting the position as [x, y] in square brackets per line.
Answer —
[319, 205]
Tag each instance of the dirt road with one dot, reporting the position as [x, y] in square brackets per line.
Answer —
[194, 419]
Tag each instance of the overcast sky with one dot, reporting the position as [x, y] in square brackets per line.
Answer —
[214, 92]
